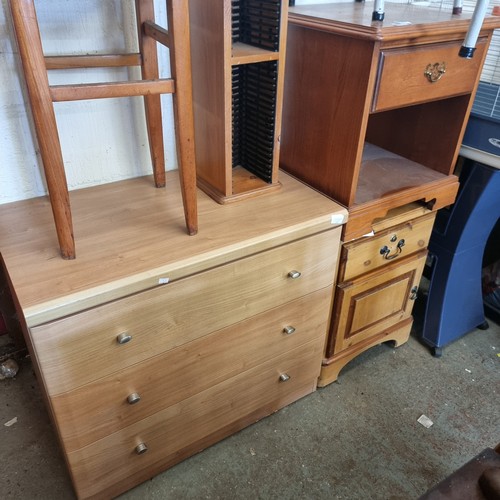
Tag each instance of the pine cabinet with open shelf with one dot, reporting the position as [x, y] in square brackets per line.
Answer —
[373, 116]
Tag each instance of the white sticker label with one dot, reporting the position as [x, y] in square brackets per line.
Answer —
[337, 219]
[163, 281]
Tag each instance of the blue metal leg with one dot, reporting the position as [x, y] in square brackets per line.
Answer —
[454, 303]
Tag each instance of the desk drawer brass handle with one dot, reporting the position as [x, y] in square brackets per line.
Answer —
[435, 71]
[294, 274]
[284, 377]
[288, 330]
[385, 251]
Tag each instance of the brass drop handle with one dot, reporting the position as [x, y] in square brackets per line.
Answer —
[284, 377]
[294, 274]
[414, 293]
[123, 338]
[141, 448]
[288, 330]
[435, 71]
[133, 398]
[385, 251]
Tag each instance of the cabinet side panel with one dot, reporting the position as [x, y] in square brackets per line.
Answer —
[328, 85]
[209, 52]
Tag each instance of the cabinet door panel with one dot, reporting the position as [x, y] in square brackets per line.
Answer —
[374, 302]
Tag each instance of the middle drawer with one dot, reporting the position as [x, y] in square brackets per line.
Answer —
[367, 254]
[81, 348]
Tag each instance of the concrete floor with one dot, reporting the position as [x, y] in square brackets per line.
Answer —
[356, 439]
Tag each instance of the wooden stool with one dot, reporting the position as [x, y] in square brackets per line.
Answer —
[42, 95]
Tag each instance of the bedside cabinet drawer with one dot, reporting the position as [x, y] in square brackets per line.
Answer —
[87, 346]
[420, 74]
[104, 406]
[163, 436]
[367, 254]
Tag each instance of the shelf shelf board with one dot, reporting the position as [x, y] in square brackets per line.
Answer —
[384, 174]
[388, 181]
[243, 53]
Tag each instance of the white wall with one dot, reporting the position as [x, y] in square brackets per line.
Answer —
[102, 140]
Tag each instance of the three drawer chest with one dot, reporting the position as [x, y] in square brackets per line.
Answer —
[153, 345]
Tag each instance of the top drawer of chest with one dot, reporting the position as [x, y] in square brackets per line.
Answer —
[89, 345]
[414, 75]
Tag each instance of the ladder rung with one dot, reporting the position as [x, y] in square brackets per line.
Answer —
[155, 31]
[94, 61]
[80, 92]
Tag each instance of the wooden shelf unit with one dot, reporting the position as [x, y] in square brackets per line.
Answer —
[238, 54]
[366, 122]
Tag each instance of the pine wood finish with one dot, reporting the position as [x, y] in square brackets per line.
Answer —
[366, 254]
[374, 302]
[209, 318]
[42, 95]
[363, 124]
[218, 101]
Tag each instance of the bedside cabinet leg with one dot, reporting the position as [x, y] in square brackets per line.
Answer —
[330, 370]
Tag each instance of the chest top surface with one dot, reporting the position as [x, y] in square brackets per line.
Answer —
[130, 237]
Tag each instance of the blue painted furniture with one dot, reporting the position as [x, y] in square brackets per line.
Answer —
[455, 303]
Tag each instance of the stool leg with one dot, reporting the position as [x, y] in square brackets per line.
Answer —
[152, 103]
[30, 50]
[180, 63]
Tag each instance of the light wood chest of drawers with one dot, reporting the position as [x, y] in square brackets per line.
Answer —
[152, 345]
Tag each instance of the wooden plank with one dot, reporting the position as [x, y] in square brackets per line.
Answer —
[210, 53]
[83, 91]
[156, 32]
[243, 53]
[96, 61]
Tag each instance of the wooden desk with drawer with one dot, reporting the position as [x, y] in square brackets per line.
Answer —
[152, 345]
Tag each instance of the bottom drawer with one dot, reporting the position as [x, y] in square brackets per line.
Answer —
[367, 305]
[111, 460]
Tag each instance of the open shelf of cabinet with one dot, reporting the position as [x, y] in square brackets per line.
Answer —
[238, 51]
